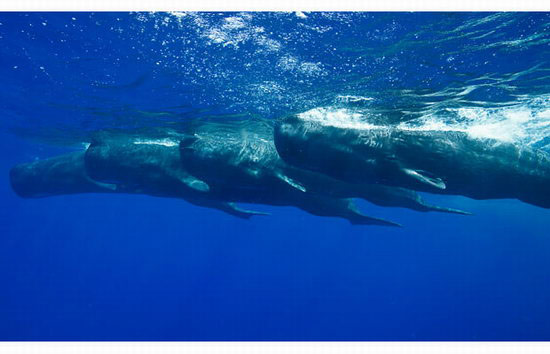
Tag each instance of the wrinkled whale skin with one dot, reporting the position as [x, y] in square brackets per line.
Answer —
[117, 162]
[208, 164]
[150, 164]
[240, 161]
[446, 162]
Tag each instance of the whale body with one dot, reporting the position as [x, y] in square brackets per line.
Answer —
[444, 162]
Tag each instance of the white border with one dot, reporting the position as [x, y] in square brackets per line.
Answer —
[274, 347]
[275, 5]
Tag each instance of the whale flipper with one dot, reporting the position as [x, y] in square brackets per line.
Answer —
[291, 182]
[362, 219]
[195, 183]
[111, 186]
[358, 218]
[242, 213]
[422, 176]
[402, 198]
[412, 200]
[339, 207]
[227, 207]
[430, 207]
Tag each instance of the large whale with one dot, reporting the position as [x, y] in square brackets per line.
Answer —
[446, 162]
[240, 161]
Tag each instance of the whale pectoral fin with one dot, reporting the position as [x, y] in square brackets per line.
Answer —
[422, 176]
[423, 206]
[188, 180]
[363, 219]
[416, 202]
[358, 218]
[447, 210]
[195, 183]
[109, 186]
[291, 182]
[241, 213]
[227, 207]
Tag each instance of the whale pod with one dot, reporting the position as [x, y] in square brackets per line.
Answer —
[239, 160]
[213, 165]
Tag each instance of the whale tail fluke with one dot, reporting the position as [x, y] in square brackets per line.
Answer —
[401, 197]
[341, 207]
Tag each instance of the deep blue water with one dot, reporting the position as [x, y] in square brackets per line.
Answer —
[127, 267]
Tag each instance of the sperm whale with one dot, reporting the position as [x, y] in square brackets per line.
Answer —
[444, 162]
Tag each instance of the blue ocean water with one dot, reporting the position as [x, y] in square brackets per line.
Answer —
[130, 267]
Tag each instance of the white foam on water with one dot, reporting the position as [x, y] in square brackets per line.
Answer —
[337, 117]
[522, 124]
[352, 99]
[231, 31]
[233, 22]
[525, 123]
[293, 64]
[236, 30]
[475, 122]
[178, 14]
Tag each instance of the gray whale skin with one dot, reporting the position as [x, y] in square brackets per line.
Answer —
[444, 162]
[211, 165]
